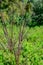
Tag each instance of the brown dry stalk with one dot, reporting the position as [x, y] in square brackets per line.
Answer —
[9, 39]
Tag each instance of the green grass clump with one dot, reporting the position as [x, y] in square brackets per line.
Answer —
[32, 48]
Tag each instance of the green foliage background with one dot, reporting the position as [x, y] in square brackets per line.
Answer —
[32, 44]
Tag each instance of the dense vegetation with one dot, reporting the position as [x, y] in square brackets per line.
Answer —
[21, 32]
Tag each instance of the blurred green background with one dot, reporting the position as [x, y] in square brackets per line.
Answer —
[18, 12]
